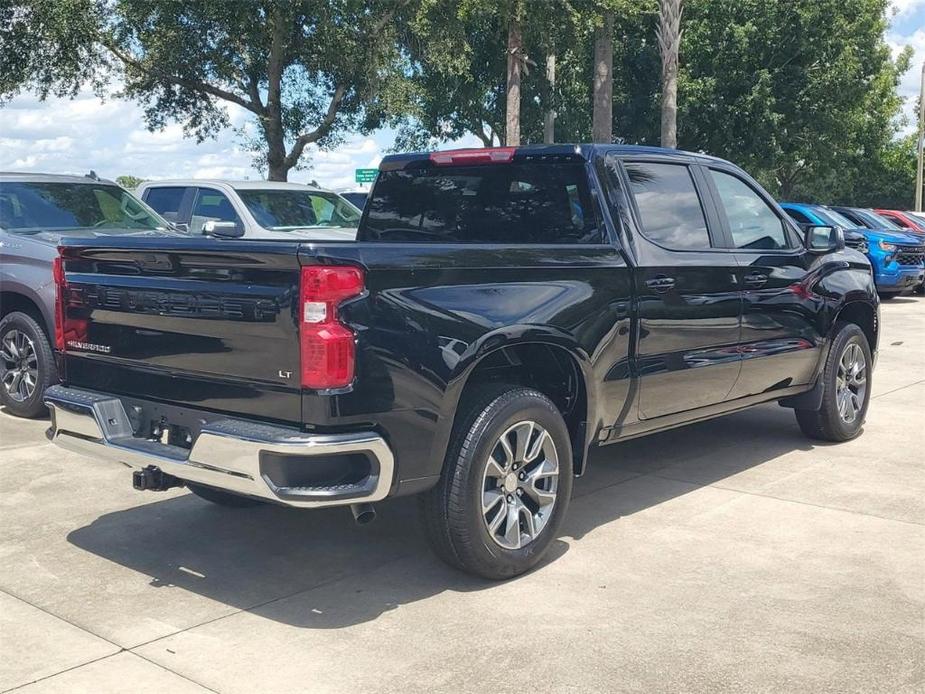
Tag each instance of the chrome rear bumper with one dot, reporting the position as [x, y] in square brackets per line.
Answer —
[226, 454]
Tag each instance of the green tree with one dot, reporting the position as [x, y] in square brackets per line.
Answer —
[797, 91]
[307, 71]
[129, 182]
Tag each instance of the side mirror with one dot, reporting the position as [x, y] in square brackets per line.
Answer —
[223, 230]
[823, 239]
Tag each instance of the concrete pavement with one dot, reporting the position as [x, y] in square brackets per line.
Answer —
[732, 555]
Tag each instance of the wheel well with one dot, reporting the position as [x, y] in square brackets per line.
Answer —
[550, 370]
[864, 316]
[11, 301]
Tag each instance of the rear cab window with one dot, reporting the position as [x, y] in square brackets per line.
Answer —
[508, 203]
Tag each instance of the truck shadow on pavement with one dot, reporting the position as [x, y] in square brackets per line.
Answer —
[317, 569]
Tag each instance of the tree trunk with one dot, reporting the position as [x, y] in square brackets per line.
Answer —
[277, 168]
[669, 44]
[515, 50]
[549, 118]
[602, 118]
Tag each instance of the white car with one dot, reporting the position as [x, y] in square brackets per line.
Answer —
[253, 209]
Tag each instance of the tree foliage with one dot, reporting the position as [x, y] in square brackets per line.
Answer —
[306, 71]
[792, 90]
[802, 93]
[129, 182]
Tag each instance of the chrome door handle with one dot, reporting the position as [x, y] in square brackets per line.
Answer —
[660, 284]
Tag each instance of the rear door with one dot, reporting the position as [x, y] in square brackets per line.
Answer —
[780, 331]
[689, 304]
[171, 202]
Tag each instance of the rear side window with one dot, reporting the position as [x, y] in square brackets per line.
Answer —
[167, 201]
[670, 210]
[519, 203]
[752, 222]
[798, 216]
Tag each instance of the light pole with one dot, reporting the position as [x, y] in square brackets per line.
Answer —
[921, 144]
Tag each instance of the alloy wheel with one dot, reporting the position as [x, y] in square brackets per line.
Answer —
[19, 372]
[851, 383]
[519, 485]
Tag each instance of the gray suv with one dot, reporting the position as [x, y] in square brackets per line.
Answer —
[36, 211]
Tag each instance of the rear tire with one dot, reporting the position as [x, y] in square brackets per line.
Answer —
[222, 498]
[846, 388]
[27, 365]
[505, 486]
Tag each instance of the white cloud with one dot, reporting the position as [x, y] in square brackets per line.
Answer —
[74, 136]
[910, 84]
[904, 7]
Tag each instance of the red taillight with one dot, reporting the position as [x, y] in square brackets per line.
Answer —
[328, 347]
[461, 157]
[57, 271]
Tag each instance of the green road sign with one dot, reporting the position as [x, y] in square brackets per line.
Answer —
[366, 175]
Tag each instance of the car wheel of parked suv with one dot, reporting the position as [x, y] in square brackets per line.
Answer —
[505, 485]
[27, 365]
[846, 391]
[222, 498]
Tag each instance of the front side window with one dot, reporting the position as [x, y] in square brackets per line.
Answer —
[752, 222]
[211, 205]
[33, 207]
[669, 207]
[291, 210]
[516, 203]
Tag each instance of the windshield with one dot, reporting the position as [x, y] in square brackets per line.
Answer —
[876, 221]
[33, 207]
[837, 219]
[288, 210]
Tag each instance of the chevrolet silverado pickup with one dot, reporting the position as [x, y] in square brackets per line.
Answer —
[501, 312]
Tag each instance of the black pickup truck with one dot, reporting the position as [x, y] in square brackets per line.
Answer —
[502, 311]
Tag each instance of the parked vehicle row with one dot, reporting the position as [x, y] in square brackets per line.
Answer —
[253, 209]
[894, 242]
[502, 311]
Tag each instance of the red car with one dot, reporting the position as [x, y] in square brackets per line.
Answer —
[904, 220]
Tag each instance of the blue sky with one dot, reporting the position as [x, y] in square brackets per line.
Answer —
[73, 136]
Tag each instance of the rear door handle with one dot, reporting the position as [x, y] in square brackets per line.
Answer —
[660, 284]
[755, 279]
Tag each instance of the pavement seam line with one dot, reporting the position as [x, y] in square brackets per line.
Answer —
[121, 649]
[61, 672]
[791, 501]
[895, 390]
[321, 584]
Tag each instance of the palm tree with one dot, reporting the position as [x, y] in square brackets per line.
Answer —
[669, 44]
[602, 115]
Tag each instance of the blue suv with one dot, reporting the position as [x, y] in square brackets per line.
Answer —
[896, 257]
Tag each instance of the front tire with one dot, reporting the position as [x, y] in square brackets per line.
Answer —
[27, 365]
[846, 388]
[505, 486]
[222, 498]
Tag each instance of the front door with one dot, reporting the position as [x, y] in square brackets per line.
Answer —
[781, 342]
[689, 303]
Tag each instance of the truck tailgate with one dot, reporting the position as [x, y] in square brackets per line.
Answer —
[186, 321]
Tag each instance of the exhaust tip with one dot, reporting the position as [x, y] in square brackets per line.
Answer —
[363, 513]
